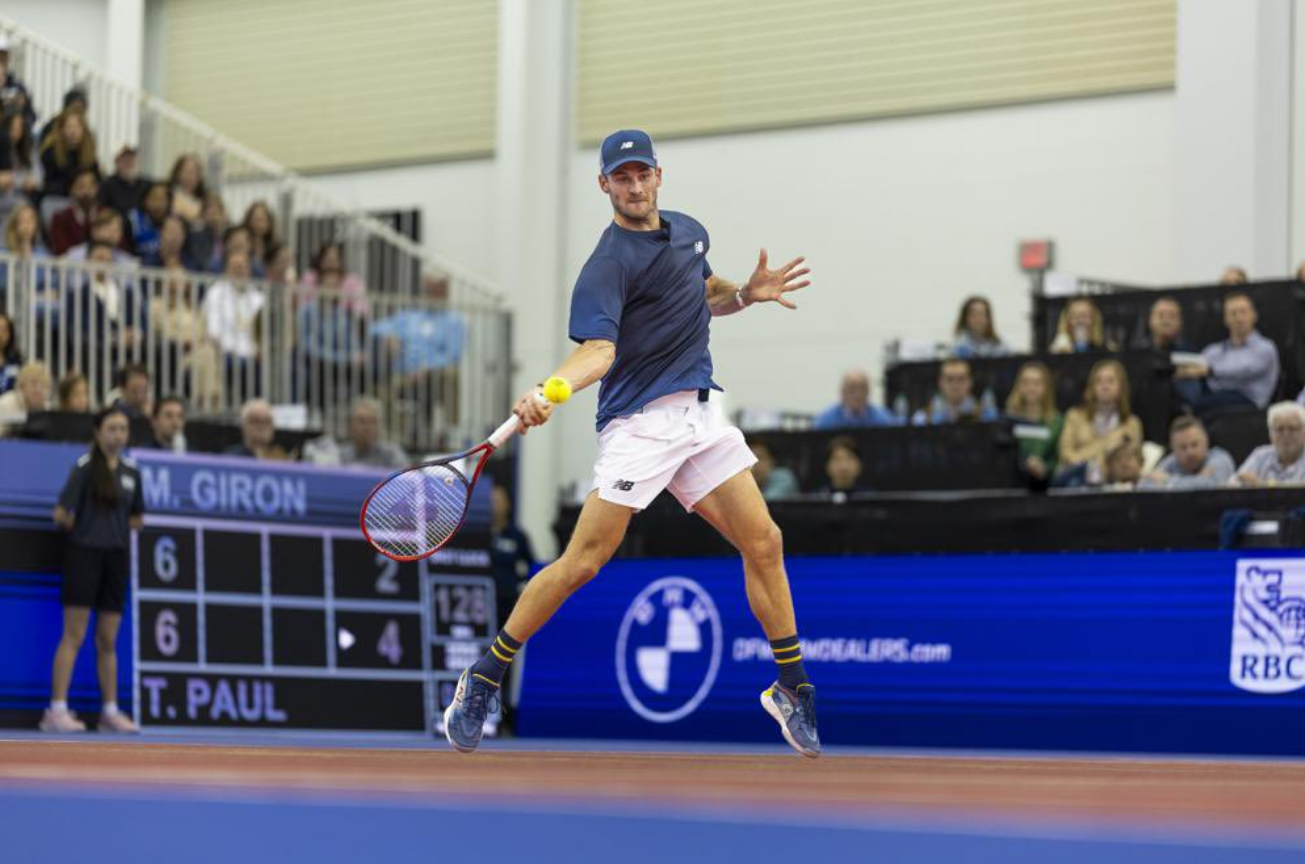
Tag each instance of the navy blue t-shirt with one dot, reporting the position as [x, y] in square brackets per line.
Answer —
[646, 292]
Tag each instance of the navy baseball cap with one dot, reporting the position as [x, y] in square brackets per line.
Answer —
[626, 145]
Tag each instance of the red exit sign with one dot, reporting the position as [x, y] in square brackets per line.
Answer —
[1036, 255]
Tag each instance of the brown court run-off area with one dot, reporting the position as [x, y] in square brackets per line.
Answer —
[1119, 791]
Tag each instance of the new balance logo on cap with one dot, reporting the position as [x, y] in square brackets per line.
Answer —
[627, 145]
[623, 485]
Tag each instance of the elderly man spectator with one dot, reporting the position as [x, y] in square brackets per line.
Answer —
[1192, 463]
[1280, 462]
[853, 408]
[168, 426]
[31, 393]
[1242, 370]
[775, 481]
[365, 446]
[842, 469]
[256, 433]
[954, 401]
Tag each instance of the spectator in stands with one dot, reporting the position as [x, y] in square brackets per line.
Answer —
[853, 409]
[72, 225]
[171, 251]
[1080, 329]
[1123, 468]
[365, 446]
[233, 311]
[186, 352]
[1242, 370]
[22, 240]
[1031, 407]
[134, 391]
[775, 481]
[954, 402]
[1192, 463]
[14, 98]
[125, 188]
[421, 347]
[975, 334]
[167, 426]
[205, 244]
[842, 469]
[1102, 422]
[1164, 328]
[331, 321]
[20, 163]
[74, 100]
[102, 502]
[257, 433]
[1233, 275]
[236, 241]
[105, 307]
[106, 228]
[68, 152]
[147, 220]
[11, 359]
[31, 392]
[281, 265]
[1300, 272]
[187, 189]
[74, 393]
[1281, 462]
[262, 232]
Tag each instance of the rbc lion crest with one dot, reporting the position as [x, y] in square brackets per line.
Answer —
[1268, 644]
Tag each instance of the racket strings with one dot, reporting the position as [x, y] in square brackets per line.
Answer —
[417, 511]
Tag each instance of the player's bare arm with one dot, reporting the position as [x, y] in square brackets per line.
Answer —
[764, 285]
[587, 365]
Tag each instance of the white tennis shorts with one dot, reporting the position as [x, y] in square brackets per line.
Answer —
[675, 443]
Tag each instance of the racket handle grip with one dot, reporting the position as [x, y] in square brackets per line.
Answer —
[501, 435]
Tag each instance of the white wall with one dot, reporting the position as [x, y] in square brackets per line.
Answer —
[456, 200]
[900, 220]
[78, 25]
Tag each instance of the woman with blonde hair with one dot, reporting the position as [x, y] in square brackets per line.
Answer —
[1102, 422]
[66, 151]
[22, 240]
[1037, 425]
[1080, 329]
[31, 393]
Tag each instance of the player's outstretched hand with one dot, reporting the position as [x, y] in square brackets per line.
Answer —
[533, 409]
[765, 284]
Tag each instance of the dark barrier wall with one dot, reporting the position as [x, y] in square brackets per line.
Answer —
[966, 522]
[1281, 307]
[1160, 652]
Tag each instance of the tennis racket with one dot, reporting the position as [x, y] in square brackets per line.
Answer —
[411, 514]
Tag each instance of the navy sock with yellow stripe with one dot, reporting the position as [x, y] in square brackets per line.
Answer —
[494, 665]
[788, 657]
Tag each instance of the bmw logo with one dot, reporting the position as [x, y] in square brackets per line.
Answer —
[668, 649]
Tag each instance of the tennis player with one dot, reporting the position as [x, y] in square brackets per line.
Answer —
[102, 502]
[640, 312]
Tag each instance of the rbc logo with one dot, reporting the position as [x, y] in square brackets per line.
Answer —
[1268, 644]
[668, 649]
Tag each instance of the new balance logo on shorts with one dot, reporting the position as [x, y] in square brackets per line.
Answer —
[623, 485]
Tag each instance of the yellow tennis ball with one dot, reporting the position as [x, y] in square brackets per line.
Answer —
[557, 390]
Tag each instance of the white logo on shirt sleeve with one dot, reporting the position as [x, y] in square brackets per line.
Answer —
[698, 247]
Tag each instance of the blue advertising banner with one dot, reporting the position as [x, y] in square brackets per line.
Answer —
[1200, 652]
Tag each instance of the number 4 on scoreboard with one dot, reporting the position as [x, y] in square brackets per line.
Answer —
[389, 646]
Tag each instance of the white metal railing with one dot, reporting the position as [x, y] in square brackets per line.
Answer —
[306, 216]
[440, 369]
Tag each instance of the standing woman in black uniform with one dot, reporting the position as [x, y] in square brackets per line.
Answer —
[100, 505]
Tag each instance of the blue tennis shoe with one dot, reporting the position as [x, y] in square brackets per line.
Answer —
[796, 715]
[464, 719]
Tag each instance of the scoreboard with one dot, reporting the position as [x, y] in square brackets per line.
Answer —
[286, 626]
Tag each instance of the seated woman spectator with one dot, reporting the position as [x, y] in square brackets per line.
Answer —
[1233, 275]
[1037, 424]
[974, 334]
[1080, 329]
[1102, 422]
[281, 266]
[171, 251]
[74, 393]
[186, 185]
[232, 312]
[262, 232]
[331, 321]
[186, 355]
[954, 402]
[842, 469]
[205, 244]
[22, 240]
[775, 481]
[108, 309]
[31, 393]
[11, 359]
[69, 149]
[146, 221]
[1192, 463]
[1281, 462]
[20, 164]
